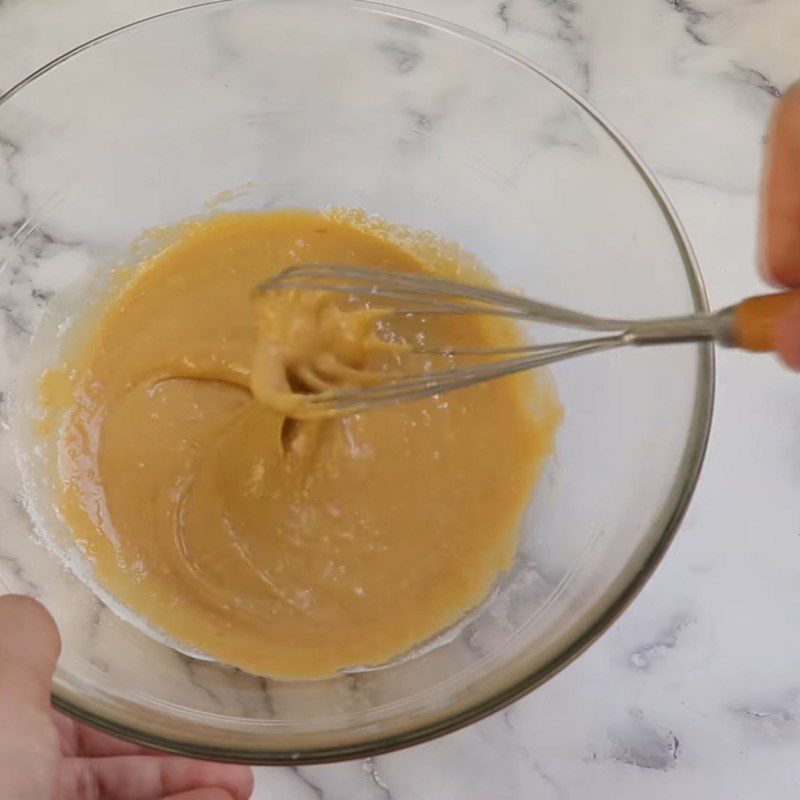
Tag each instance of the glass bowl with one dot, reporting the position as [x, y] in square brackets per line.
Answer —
[256, 104]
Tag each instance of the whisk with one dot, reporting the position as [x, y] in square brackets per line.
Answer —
[749, 325]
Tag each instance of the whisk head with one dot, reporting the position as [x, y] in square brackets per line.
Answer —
[418, 293]
[409, 295]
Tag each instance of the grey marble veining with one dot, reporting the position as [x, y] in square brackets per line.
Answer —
[695, 692]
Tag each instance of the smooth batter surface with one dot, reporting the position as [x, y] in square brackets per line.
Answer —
[285, 547]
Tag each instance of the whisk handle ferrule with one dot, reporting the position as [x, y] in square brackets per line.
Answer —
[676, 330]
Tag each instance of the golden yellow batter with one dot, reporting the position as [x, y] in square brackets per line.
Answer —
[313, 343]
[285, 547]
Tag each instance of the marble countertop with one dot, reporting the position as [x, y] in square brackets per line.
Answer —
[695, 691]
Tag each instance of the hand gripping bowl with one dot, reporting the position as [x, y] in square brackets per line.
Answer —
[307, 103]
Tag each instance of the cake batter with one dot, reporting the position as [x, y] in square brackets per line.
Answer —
[284, 546]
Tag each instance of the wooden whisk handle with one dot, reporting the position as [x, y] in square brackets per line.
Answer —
[755, 320]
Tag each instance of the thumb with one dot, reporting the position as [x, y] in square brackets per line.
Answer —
[29, 648]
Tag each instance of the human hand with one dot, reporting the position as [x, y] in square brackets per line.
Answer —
[780, 216]
[46, 756]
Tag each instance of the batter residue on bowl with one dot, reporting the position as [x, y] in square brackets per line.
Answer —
[286, 547]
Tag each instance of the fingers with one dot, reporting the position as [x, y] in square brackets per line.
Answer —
[81, 740]
[29, 648]
[152, 778]
[788, 337]
[202, 794]
[780, 226]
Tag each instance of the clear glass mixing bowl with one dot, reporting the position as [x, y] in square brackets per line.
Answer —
[275, 103]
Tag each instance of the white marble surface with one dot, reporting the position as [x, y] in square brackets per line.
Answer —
[695, 692]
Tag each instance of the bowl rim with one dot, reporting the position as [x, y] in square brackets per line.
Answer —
[669, 519]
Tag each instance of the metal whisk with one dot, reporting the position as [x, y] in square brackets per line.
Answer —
[750, 325]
